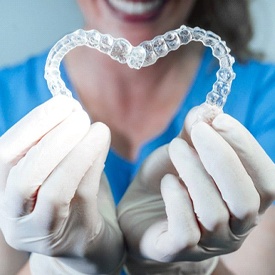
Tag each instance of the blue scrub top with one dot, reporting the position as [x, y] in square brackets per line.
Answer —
[252, 102]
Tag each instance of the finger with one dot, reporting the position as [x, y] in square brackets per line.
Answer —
[82, 168]
[31, 171]
[256, 162]
[164, 240]
[15, 143]
[106, 204]
[179, 210]
[203, 112]
[225, 167]
[98, 144]
[209, 207]
[35, 125]
[88, 190]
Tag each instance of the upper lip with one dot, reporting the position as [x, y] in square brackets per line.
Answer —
[131, 7]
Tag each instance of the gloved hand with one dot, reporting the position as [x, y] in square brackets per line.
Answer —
[192, 202]
[50, 168]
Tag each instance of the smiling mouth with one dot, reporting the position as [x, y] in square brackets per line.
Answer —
[136, 10]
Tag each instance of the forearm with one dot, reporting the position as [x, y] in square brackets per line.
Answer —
[256, 255]
[11, 260]
[25, 270]
[222, 269]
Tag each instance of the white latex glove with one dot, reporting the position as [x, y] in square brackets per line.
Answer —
[191, 204]
[50, 169]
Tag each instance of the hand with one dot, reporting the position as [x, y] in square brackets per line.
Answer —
[51, 166]
[191, 202]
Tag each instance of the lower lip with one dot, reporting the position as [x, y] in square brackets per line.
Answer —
[148, 16]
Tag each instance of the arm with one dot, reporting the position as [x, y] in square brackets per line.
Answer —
[11, 260]
[256, 256]
[205, 204]
[55, 202]
[25, 269]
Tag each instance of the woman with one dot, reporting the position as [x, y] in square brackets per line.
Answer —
[52, 159]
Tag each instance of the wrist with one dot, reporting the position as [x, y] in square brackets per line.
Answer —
[136, 266]
[41, 264]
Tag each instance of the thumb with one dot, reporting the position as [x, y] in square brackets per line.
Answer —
[163, 240]
[182, 223]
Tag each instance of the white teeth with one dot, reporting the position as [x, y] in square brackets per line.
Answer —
[135, 8]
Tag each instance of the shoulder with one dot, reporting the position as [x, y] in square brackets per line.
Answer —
[254, 83]
[252, 92]
[255, 73]
[23, 73]
[253, 88]
[22, 87]
[252, 101]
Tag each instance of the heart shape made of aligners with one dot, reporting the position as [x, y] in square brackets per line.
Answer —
[143, 55]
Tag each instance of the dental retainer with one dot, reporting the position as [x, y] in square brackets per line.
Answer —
[143, 55]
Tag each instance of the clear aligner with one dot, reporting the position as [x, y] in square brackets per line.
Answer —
[143, 55]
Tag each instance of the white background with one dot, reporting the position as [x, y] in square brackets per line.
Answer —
[30, 26]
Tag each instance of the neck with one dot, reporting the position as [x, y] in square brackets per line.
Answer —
[129, 97]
